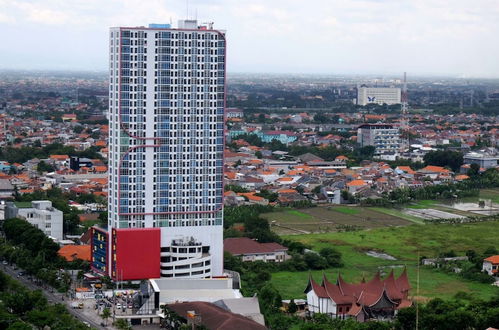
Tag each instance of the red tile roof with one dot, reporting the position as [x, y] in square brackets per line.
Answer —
[492, 259]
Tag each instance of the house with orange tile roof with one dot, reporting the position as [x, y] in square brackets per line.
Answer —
[254, 199]
[101, 143]
[491, 265]
[433, 172]
[355, 185]
[461, 177]
[406, 169]
[74, 252]
[100, 169]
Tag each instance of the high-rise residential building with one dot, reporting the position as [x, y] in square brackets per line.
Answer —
[384, 137]
[166, 123]
[378, 95]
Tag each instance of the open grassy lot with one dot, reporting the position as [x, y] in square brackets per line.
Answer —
[325, 219]
[403, 243]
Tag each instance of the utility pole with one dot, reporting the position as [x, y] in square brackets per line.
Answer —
[404, 107]
[417, 295]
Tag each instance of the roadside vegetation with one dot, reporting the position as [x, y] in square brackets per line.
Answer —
[23, 309]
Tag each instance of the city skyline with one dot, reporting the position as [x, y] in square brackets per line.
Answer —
[355, 37]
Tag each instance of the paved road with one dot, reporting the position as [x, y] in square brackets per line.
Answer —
[52, 297]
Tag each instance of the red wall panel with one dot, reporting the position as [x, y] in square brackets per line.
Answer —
[136, 253]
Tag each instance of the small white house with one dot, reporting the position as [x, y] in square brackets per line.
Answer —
[491, 265]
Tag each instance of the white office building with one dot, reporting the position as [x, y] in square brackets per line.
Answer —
[378, 95]
[42, 215]
[166, 124]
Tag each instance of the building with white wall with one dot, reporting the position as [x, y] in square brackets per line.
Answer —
[166, 113]
[42, 215]
[378, 95]
[384, 137]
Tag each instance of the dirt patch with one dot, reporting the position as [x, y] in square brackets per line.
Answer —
[384, 256]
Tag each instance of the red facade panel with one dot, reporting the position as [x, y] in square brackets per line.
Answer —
[136, 253]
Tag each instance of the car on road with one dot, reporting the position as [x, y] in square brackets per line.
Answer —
[118, 306]
[5, 262]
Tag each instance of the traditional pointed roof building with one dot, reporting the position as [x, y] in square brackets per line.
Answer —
[376, 299]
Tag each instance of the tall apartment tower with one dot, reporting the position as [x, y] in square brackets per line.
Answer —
[166, 121]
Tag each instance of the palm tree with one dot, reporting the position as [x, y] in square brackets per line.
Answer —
[106, 313]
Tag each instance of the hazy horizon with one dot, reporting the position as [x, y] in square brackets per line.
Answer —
[356, 37]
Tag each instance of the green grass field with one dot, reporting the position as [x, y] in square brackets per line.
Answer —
[347, 210]
[423, 204]
[404, 243]
[492, 194]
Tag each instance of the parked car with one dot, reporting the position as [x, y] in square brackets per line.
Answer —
[118, 306]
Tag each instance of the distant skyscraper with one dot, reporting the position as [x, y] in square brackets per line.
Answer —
[378, 95]
[166, 121]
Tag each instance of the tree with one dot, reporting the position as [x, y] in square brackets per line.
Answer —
[474, 170]
[366, 152]
[315, 261]
[332, 257]
[269, 299]
[19, 325]
[78, 129]
[122, 324]
[292, 308]
[258, 154]
[106, 313]
[44, 167]
[445, 158]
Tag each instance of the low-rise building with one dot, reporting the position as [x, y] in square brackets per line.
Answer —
[42, 215]
[251, 250]
[482, 159]
[491, 265]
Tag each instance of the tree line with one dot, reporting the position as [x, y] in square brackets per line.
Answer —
[25, 153]
[30, 249]
[23, 309]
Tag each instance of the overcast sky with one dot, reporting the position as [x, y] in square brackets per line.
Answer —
[454, 37]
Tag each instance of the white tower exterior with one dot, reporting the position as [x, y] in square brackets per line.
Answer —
[166, 121]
